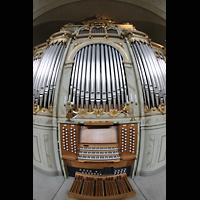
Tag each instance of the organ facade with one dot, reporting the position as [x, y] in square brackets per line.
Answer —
[99, 101]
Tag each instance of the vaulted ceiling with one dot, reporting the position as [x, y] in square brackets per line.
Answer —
[148, 16]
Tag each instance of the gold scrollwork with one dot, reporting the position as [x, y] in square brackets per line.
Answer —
[161, 108]
[70, 112]
[36, 108]
[64, 40]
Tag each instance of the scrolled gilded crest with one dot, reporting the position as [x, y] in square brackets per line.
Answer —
[114, 113]
[82, 112]
[162, 108]
[36, 108]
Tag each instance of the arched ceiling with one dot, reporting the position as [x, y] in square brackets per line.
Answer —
[148, 16]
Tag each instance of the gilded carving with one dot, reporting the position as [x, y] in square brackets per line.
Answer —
[70, 112]
[114, 113]
[161, 108]
[36, 108]
[98, 112]
[82, 112]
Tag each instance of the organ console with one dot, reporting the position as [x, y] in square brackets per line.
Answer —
[93, 147]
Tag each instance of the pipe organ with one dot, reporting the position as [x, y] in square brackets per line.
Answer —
[94, 86]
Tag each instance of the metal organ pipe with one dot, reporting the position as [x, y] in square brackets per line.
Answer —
[99, 70]
[79, 79]
[117, 79]
[120, 77]
[75, 77]
[147, 72]
[44, 78]
[92, 85]
[151, 74]
[98, 77]
[123, 78]
[155, 84]
[38, 75]
[43, 74]
[49, 74]
[136, 54]
[72, 80]
[112, 77]
[159, 73]
[83, 77]
[87, 87]
[103, 77]
[55, 74]
[140, 74]
[108, 78]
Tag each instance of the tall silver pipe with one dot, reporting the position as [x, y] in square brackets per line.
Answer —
[103, 77]
[152, 72]
[98, 77]
[43, 71]
[160, 78]
[49, 74]
[116, 78]
[152, 56]
[83, 77]
[87, 84]
[112, 77]
[92, 92]
[140, 73]
[143, 75]
[123, 78]
[39, 74]
[120, 77]
[72, 79]
[75, 77]
[109, 92]
[55, 66]
[58, 62]
[147, 73]
[79, 78]
[162, 65]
